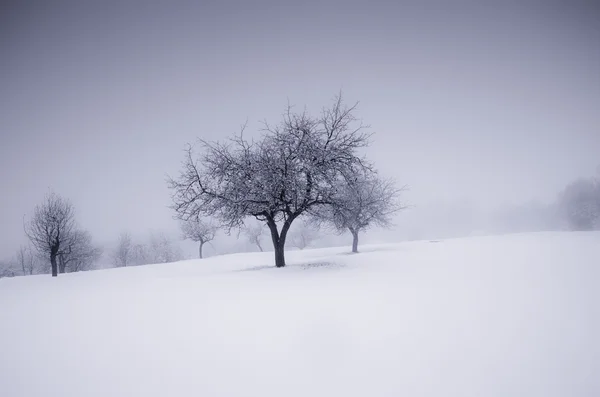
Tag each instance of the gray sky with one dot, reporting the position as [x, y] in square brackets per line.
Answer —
[495, 102]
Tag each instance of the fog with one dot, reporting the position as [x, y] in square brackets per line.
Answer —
[481, 108]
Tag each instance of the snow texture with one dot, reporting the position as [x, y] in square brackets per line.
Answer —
[513, 315]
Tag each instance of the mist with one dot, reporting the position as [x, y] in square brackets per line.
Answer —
[485, 110]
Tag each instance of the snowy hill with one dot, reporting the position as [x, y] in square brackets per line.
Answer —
[513, 315]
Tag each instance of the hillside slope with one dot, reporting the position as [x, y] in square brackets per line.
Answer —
[513, 315]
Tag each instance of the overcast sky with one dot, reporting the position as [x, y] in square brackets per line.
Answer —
[494, 102]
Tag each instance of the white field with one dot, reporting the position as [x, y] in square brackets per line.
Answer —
[514, 315]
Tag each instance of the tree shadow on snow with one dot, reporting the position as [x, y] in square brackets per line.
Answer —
[302, 266]
[319, 265]
[256, 268]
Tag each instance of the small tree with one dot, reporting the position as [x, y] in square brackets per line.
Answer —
[123, 253]
[362, 202]
[78, 253]
[295, 166]
[140, 254]
[162, 250]
[254, 233]
[8, 269]
[198, 231]
[26, 260]
[50, 228]
[303, 235]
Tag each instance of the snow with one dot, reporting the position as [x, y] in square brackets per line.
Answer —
[513, 315]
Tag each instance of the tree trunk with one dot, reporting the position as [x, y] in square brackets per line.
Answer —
[200, 250]
[354, 240]
[279, 255]
[54, 265]
[279, 240]
[259, 246]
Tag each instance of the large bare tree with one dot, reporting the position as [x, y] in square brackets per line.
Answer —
[199, 231]
[295, 166]
[51, 227]
[361, 202]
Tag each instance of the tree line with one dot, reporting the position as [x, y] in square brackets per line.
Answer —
[306, 170]
[304, 167]
[57, 244]
[158, 248]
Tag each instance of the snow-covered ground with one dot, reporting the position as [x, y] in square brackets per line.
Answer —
[513, 315]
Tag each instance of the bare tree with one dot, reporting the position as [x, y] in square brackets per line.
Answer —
[361, 202]
[162, 250]
[8, 269]
[140, 255]
[254, 233]
[295, 166]
[51, 227]
[303, 235]
[199, 231]
[123, 253]
[78, 252]
[580, 204]
[26, 260]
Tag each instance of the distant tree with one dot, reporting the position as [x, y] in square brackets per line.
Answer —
[199, 231]
[123, 254]
[27, 261]
[295, 166]
[78, 252]
[580, 204]
[140, 255]
[254, 232]
[303, 235]
[51, 227]
[162, 249]
[361, 202]
[8, 269]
